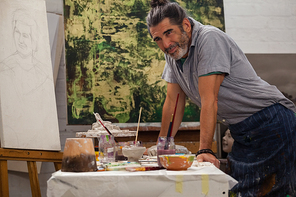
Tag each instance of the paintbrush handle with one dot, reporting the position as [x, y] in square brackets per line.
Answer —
[167, 140]
[105, 127]
[170, 127]
[138, 126]
[107, 130]
[169, 134]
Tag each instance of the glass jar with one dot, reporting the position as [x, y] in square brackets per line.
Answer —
[165, 146]
[118, 151]
[106, 149]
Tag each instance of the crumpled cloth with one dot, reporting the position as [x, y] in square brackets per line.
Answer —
[152, 151]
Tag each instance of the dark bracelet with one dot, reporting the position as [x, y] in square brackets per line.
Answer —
[205, 151]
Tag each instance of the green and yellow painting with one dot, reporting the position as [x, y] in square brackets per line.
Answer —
[113, 66]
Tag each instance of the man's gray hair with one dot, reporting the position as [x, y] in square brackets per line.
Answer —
[161, 9]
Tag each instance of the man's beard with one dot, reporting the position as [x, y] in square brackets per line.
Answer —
[182, 47]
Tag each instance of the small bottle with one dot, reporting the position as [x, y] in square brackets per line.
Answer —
[97, 153]
[165, 146]
[106, 149]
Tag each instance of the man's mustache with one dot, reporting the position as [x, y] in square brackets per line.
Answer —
[172, 46]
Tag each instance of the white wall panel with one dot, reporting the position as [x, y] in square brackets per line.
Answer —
[266, 26]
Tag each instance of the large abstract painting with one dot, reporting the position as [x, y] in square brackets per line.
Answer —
[113, 65]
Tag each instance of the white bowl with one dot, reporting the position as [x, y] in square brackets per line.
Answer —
[133, 153]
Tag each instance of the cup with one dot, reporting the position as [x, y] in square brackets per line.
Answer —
[107, 149]
[165, 146]
[118, 151]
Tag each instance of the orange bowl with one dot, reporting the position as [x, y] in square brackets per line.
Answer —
[176, 162]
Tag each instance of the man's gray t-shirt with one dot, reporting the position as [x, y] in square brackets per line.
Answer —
[241, 94]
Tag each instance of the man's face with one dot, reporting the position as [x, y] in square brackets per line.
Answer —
[22, 38]
[171, 39]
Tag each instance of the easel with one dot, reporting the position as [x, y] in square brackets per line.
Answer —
[31, 156]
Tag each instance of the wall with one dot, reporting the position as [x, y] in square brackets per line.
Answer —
[266, 26]
[260, 27]
[266, 31]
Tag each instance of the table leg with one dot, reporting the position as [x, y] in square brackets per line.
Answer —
[33, 175]
[4, 188]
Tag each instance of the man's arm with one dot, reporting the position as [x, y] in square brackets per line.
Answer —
[208, 90]
[168, 109]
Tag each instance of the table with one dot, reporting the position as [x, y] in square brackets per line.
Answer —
[195, 181]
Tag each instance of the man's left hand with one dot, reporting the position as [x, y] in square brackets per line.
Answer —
[206, 157]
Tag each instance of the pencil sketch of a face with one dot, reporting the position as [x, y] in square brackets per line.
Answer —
[28, 109]
[25, 34]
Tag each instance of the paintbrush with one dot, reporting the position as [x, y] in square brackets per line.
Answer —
[168, 135]
[107, 130]
[138, 126]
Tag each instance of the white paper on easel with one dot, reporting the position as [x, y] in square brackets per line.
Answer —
[28, 114]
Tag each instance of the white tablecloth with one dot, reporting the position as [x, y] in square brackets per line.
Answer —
[196, 181]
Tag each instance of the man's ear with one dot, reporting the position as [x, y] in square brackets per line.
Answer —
[186, 25]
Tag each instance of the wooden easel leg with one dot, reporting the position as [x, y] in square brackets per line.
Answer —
[4, 188]
[34, 181]
[57, 165]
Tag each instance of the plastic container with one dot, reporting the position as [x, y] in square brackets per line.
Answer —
[165, 146]
[118, 151]
[107, 149]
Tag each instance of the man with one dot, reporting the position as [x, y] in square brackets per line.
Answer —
[206, 65]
